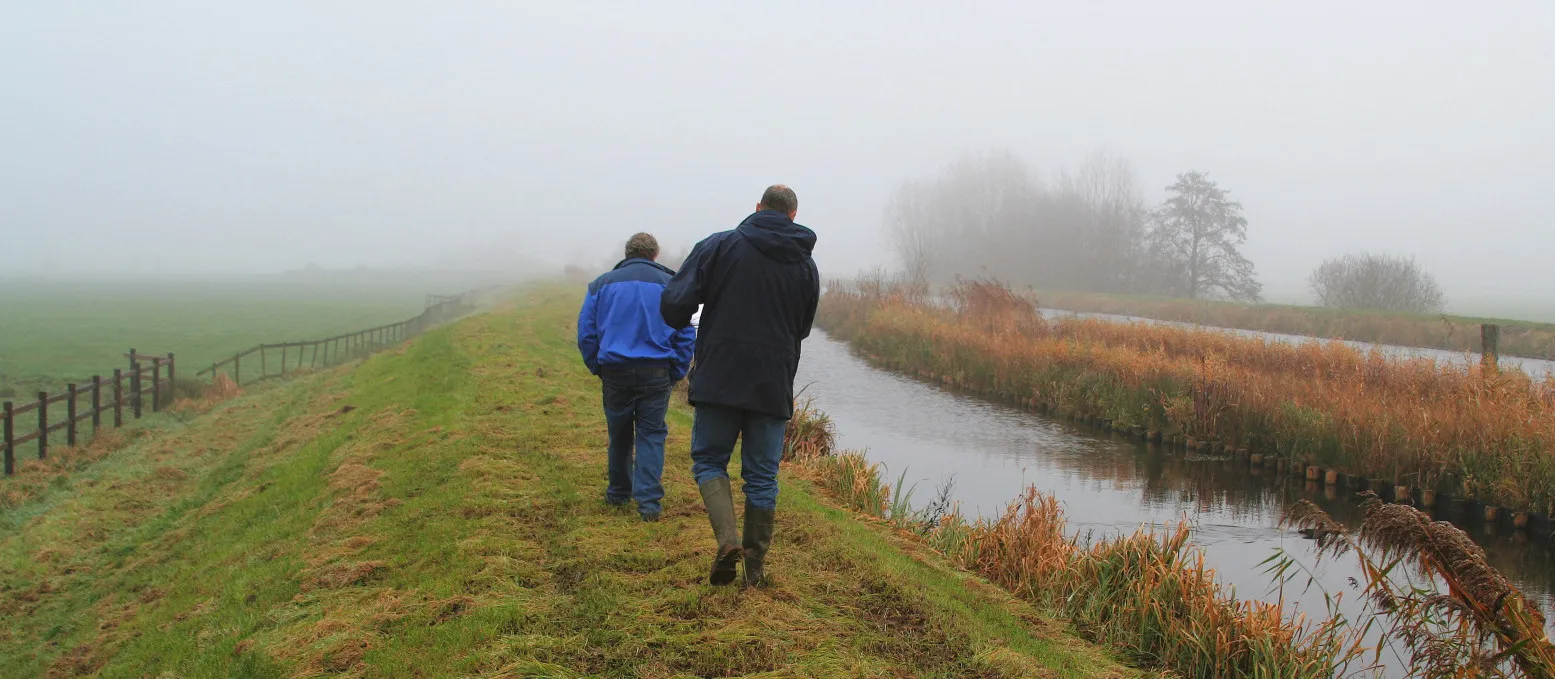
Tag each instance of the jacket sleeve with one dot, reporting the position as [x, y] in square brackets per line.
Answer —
[812, 301]
[684, 341]
[683, 295]
[588, 330]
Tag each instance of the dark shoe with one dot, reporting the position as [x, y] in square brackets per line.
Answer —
[650, 518]
[719, 502]
[758, 538]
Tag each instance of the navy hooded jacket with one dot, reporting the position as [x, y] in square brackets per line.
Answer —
[760, 289]
[620, 325]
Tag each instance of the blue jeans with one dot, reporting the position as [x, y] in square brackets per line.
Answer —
[712, 443]
[636, 398]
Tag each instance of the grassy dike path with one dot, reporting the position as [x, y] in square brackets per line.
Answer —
[436, 512]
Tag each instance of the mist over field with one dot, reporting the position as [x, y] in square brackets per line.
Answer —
[199, 140]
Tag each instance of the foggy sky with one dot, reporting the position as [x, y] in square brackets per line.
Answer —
[211, 138]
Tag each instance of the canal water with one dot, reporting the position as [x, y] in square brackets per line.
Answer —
[1107, 485]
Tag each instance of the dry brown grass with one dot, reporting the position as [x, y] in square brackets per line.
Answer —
[1413, 330]
[1149, 592]
[1473, 624]
[1485, 435]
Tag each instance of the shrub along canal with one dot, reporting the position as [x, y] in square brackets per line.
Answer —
[1110, 484]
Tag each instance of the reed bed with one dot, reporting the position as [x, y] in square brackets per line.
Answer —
[1466, 431]
[1148, 595]
[1465, 620]
[1453, 333]
[809, 448]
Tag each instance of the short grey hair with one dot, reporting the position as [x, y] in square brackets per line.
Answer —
[781, 198]
[642, 246]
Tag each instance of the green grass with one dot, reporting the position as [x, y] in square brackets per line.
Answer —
[449, 523]
[61, 332]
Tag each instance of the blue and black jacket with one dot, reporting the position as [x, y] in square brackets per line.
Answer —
[620, 324]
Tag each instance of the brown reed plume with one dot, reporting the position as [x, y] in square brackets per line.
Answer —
[1476, 625]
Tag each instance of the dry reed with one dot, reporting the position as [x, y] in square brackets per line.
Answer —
[1452, 333]
[1461, 430]
[1149, 595]
[1471, 623]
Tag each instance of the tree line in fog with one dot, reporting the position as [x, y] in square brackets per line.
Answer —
[1090, 228]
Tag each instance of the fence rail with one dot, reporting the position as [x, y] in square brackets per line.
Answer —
[322, 353]
[128, 389]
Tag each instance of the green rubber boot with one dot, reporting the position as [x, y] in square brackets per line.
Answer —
[758, 537]
[719, 502]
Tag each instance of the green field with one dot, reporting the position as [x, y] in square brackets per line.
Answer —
[436, 511]
[61, 332]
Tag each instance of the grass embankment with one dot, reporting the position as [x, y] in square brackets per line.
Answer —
[436, 511]
[1434, 331]
[55, 333]
[1484, 436]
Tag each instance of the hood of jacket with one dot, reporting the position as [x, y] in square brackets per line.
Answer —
[778, 237]
[638, 260]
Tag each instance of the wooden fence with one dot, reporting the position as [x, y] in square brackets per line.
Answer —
[278, 359]
[126, 389]
[110, 397]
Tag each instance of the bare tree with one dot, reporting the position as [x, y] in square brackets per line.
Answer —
[1111, 221]
[1195, 239]
[989, 216]
[944, 227]
[1375, 281]
[912, 233]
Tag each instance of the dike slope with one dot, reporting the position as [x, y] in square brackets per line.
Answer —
[435, 512]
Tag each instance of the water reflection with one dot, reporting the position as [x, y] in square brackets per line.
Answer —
[1108, 485]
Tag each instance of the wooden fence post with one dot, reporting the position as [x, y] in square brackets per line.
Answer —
[97, 403]
[70, 415]
[1489, 340]
[135, 391]
[118, 398]
[134, 385]
[156, 385]
[283, 361]
[237, 369]
[172, 382]
[10, 450]
[43, 424]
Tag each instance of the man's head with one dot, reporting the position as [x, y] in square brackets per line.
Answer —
[781, 198]
[642, 246]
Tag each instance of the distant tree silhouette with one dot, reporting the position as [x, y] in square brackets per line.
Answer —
[1375, 281]
[1194, 239]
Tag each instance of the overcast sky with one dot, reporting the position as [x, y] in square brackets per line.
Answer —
[210, 137]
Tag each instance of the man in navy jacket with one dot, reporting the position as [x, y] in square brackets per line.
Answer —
[760, 288]
[638, 359]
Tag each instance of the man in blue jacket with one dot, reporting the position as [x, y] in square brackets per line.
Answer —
[638, 359]
[760, 288]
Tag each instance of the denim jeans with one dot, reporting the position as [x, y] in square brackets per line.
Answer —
[636, 398]
[712, 443]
